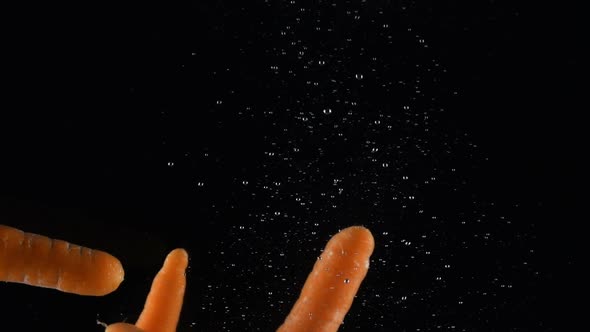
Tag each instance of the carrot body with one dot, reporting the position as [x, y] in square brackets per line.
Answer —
[123, 327]
[331, 286]
[164, 301]
[37, 260]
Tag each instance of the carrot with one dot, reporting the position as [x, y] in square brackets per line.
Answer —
[164, 301]
[123, 327]
[331, 286]
[37, 260]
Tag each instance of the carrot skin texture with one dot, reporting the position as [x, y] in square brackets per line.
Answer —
[123, 327]
[40, 261]
[331, 286]
[164, 301]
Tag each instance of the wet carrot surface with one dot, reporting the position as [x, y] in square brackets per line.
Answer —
[326, 297]
[40, 261]
[333, 283]
[164, 301]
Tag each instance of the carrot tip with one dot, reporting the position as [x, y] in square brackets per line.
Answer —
[178, 258]
[122, 327]
[333, 283]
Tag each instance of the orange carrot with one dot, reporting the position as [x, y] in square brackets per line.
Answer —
[331, 286]
[37, 260]
[164, 301]
[123, 327]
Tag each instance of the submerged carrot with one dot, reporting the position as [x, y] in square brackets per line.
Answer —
[123, 327]
[37, 260]
[331, 286]
[164, 301]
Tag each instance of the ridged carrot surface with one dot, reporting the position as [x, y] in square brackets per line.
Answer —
[37, 260]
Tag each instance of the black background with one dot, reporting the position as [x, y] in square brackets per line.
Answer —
[107, 115]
